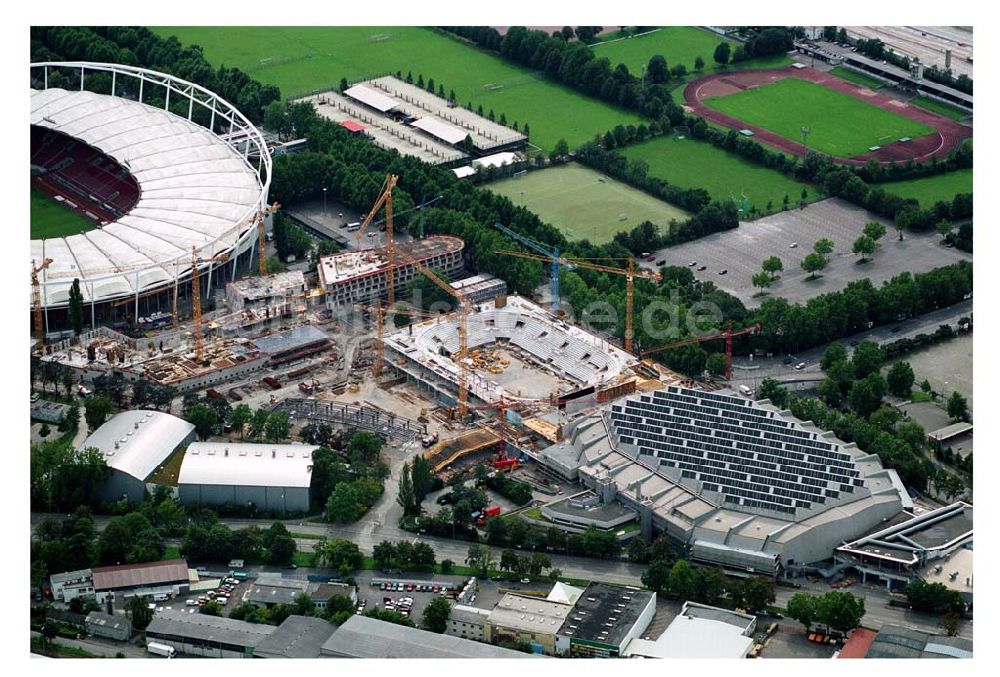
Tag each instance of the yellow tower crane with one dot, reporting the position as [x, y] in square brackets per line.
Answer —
[261, 235]
[385, 198]
[629, 272]
[199, 341]
[36, 298]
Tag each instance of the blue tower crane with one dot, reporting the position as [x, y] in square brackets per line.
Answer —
[551, 252]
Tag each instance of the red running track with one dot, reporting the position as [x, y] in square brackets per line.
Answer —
[947, 133]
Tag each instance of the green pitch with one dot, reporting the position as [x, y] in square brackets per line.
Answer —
[300, 60]
[936, 106]
[698, 164]
[678, 45]
[931, 189]
[855, 77]
[51, 219]
[585, 204]
[838, 124]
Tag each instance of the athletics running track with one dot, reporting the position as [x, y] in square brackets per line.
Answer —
[947, 133]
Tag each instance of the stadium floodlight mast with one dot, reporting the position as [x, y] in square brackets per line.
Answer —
[805, 136]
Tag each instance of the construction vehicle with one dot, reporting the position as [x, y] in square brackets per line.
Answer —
[429, 440]
[629, 272]
[486, 514]
[306, 388]
[728, 335]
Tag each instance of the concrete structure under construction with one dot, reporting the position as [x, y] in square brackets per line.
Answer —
[273, 477]
[293, 344]
[360, 276]
[223, 361]
[135, 444]
[518, 351]
[258, 300]
[738, 484]
[480, 288]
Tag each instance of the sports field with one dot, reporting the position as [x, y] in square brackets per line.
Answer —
[51, 219]
[930, 189]
[935, 106]
[855, 77]
[838, 124]
[678, 45]
[698, 164]
[583, 203]
[301, 59]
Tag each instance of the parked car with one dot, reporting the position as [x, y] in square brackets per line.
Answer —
[661, 262]
[526, 580]
[800, 366]
[700, 268]
[723, 271]
[692, 263]
[34, 397]
[896, 329]
[793, 245]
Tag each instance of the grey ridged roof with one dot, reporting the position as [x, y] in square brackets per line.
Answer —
[364, 637]
[297, 637]
[207, 628]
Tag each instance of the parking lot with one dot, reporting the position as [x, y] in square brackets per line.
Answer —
[413, 602]
[741, 251]
[194, 600]
[790, 642]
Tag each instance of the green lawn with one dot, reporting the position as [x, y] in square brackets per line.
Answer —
[51, 219]
[699, 164]
[302, 59]
[940, 108]
[930, 189]
[304, 559]
[838, 124]
[678, 45]
[171, 552]
[855, 77]
[583, 203]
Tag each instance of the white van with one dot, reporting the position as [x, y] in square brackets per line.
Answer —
[161, 597]
[746, 390]
[351, 227]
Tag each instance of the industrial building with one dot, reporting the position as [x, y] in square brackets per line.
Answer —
[582, 510]
[604, 619]
[206, 636]
[899, 549]
[893, 641]
[364, 637]
[71, 584]
[522, 618]
[700, 631]
[467, 622]
[268, 590]
[169, 577]
[293, 344]
[360, 276]
[100, 624]
[273, 477]
[296, 637]
[738, 484]
[49, 412]
[135, 444]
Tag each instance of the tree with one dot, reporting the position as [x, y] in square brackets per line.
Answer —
[865, 246]
[138, 611]
[866, 394]
[406, 498]
[823, 247]
[753, 594]
[239, 417]
[958, 407]
[802, 607]
[721, 54]
[770, 389]
[716, 364]
[479, 556]
[699, 63]
[384, 553]
[279, 544]
[899, 378]
[559, 151]
[710, 585]
[343, 506]
[422, 478]
[277, 426]
[772, 265]
[340, 554]
[96, 410]
[211, 608]
[812, 264]
[76, 307]
[538, 562]
[258, 422]
[447, 566]
[205, 420]
[436, 615]
[874, 230]
[508, 560]
[657, 70]
[943, 227]
[835, 352]
[423, 557]
[840, 610]
[867, 359]
[681, 581]
[762, 280]
[276, 115]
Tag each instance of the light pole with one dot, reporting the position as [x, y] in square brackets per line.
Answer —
[324, 202]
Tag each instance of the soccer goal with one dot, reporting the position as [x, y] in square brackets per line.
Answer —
[681, 132]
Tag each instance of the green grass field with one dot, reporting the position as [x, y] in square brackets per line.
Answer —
[939, 108]
[838, 124]
[855, 77]
[302, 59]
[933, 188]
[584, 204]
[678, 45]
[51, 219]
[698, 164]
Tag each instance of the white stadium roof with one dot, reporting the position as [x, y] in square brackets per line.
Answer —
[439, 129]
[195, 190]
[247, 465]
[144, 440]
[371, 97]
[495, 160]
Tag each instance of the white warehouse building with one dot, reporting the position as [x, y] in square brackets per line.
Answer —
[273, 477]
[135, 444]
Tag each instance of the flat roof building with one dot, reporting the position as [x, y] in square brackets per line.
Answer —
[364, 637]
[135, 444]
[70, 584]
[604, 619]
[296, 637]
[273, 477]
[360, 276]
[700, 631]
[207, 636]
[467, 622]
[293, 344]
[170, 577]
[268, 590]
[522, 618]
